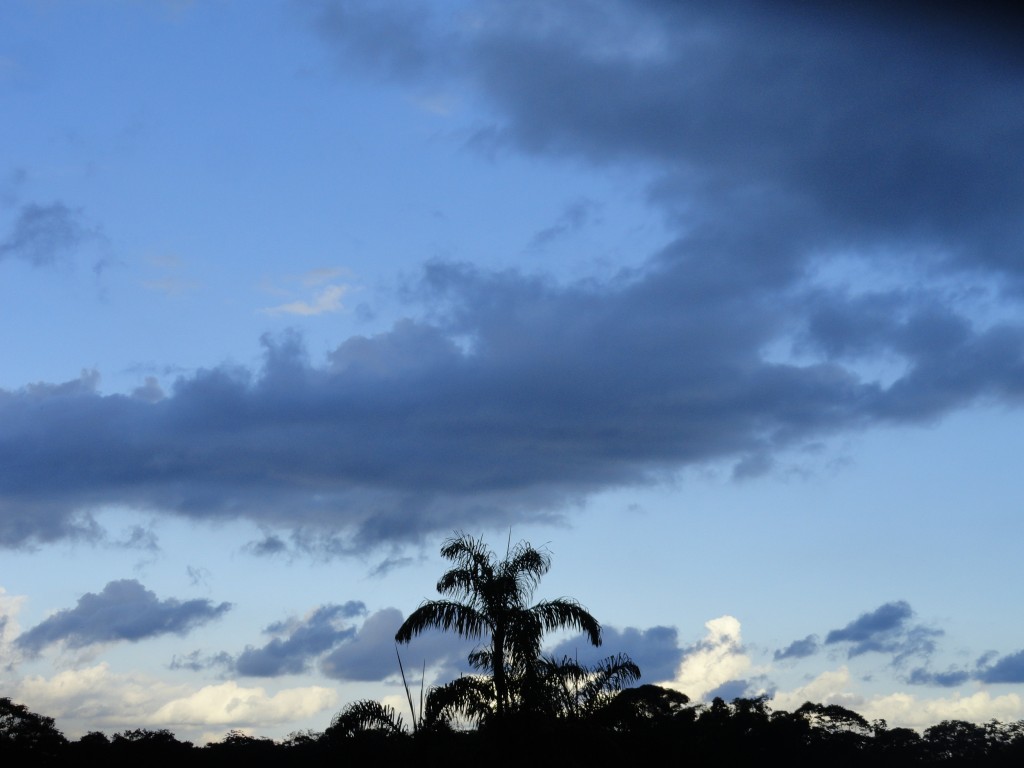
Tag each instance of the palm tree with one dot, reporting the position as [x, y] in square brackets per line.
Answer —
[489, 599]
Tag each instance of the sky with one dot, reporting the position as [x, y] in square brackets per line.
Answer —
[722, 304]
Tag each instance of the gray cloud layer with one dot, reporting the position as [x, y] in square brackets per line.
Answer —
[792, 149]
[297, 642]
[124, 610]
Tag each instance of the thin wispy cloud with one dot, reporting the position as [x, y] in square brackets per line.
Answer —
[325, 300]
[326, 297]
[43, 235]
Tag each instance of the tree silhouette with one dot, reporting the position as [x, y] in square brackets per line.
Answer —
[23, 732]
[489, 600]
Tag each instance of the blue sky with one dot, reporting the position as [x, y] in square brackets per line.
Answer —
[723, 306]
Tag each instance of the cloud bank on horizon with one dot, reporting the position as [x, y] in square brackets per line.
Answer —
[847, 254]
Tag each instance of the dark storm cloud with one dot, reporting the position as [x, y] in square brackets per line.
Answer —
[847, 127]
[124, 610]
[799, 649]
[297, 642]
[563, 391]
[887, 629]
[370, 654]
[792, 148]
[655, 650]
[44, 234]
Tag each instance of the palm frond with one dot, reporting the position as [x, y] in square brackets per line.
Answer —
[366, 716]
[606, 678]
[525, 567]
[482, 659]
[469, 697]
[464, 550]
[446, 616]
[458, 582]
[564, 613]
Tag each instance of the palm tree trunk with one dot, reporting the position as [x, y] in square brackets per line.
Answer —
[500, 680]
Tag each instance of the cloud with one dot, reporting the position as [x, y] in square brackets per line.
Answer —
[798, 649]
[575, 216]
[1008, 669]
[270, 544]
[124, 610]
[791, 152]
[886, 630]
[230, 704]
[10, 607]
[369, 655]
[948, 679]
[96, 697]
[44, 234]
[904, 710]
[564, 392]
[197, 661]
[829, 687]
[655, 650]
[393, 40]
[742, 105]
[326, 299]
[299, 641]
[713, 662]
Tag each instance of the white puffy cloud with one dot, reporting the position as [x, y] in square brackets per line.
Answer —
[830, 687]
[231, 704]
[901, 709]
[713, 661]
[96, 697]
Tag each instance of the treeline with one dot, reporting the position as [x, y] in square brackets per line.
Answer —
[524, 708]
[649, 724]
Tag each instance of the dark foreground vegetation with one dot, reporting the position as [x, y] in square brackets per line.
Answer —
[646, 724]
[522, 708]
